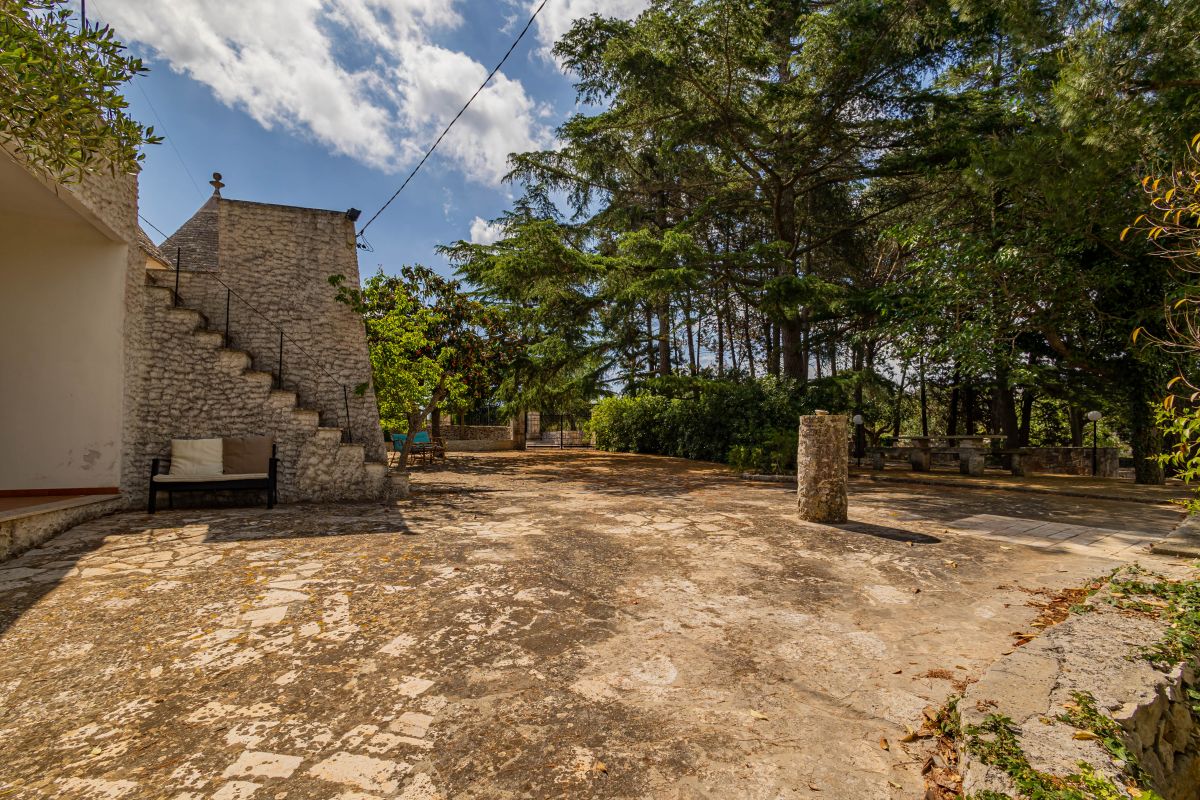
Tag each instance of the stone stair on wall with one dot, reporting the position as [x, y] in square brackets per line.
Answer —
[197, 387]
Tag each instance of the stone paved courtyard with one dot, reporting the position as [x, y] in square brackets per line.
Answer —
[527, 626]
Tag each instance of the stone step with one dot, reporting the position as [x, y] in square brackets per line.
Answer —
[263, 379]
[194, 318]
[210, 338]
[280, 399]
[330, 434]
[235, 359]
[162, 294]
[306, 416]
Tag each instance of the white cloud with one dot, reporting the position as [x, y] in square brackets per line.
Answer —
[558, 16]
[360, 76]
[484, 232]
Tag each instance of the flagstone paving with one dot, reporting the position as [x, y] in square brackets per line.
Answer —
[527, 625]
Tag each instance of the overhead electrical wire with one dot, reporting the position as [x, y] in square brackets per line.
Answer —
[157, 117]
[461, 111]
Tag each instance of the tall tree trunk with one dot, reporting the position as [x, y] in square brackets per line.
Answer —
[857, 359]
[749, 340]
[691, 344]
[1027, 398]
[970, 407]
[898, 409]
[1004, 411]
[924, 396]
[804, 348]
[1075, 425]
[664, 339]
[651, 351]
[952, 412]
[720, 341]
[770, 330]
[777, 341]
[1143, 383]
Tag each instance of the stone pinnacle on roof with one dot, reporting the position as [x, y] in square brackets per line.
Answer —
[216, 184]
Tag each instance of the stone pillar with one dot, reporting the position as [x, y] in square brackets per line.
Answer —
[970, 462]
[517, 428]
[919, 458]
[822, 468]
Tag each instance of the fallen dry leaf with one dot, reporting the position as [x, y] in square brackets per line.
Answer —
[1085, 735]
[883, 742]
[757, 714]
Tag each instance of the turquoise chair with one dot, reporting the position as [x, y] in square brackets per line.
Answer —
[398, 441]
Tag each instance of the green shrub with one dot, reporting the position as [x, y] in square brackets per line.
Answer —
[706, 421]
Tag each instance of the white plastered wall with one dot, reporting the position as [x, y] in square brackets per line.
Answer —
[62, 310]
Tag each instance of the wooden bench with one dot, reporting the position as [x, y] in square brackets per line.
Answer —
[200, 465]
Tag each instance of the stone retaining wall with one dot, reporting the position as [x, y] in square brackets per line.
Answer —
[1097, 653]
[477, 432]
[478, 445]
[1073, 460]
[23, 532]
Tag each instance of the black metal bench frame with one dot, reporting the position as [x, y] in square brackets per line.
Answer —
[268, 484]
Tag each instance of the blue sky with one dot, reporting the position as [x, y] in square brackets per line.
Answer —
[329, 104]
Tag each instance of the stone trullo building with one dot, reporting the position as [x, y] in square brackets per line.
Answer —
[107, 352]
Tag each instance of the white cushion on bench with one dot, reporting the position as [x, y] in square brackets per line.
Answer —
[218, 478]
[196, 457]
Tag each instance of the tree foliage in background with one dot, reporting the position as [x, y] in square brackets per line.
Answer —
[1172, 229]
[431, 346]
[61, 109]
[915, 203]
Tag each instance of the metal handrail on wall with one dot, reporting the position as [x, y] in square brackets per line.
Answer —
[230, 292]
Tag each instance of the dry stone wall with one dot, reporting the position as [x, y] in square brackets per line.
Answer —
[279, 260]
[1072, 460]
[1096, 653]
[477, 432]
[196, 388]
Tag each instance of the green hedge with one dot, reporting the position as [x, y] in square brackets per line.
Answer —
[750, 424]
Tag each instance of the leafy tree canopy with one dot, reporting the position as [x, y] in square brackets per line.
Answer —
[61, 109]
